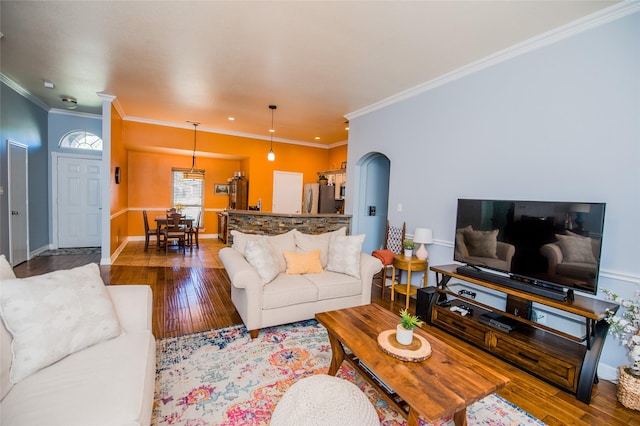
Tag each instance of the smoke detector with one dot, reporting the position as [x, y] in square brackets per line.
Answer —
[69, 102]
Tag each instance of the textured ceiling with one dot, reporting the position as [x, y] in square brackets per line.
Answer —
[208, 60]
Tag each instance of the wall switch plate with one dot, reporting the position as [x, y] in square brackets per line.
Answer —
[399, 208]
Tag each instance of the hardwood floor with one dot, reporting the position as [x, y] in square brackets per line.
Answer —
[192, 293]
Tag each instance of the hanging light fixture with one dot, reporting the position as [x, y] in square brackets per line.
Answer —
[193, 174]
[271, 156]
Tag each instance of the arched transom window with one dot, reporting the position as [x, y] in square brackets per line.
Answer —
[80, 139]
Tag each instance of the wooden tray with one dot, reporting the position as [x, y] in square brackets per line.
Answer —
[417, 351]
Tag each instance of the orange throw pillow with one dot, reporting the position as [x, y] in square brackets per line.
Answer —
[303, 263]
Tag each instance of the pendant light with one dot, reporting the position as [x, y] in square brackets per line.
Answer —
[193, 174]
[271, 156]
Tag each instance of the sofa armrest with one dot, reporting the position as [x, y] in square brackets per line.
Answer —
[369, 266]
[133, 305]
[554, 256]
[505, 252]
[241, 273]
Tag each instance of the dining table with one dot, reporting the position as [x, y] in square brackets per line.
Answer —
[162, 220]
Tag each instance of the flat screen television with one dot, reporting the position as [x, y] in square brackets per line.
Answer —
[553, 245]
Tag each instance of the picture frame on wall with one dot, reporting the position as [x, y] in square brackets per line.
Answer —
[221, 189]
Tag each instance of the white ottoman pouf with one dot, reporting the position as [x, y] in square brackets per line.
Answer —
[324, 400]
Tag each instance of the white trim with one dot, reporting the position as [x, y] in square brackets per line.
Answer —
[23, 92]
[107, 100]
[119, 213]
[75, 113]
[596, 19]
[117, 252]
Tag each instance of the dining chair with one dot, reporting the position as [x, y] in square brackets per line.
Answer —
[149, 232]
[194, 230]
[175, 230]
[394, 237]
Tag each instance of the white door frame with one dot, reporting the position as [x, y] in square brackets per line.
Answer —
[11, 207]
[54, 189]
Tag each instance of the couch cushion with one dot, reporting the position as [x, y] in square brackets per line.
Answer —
[482, 243]
[6, 271]
[287, 290]
[310, 242]
[303, 263]
[344, 254]
[260, 255]
[53, 315]
[110, 383]
[576, 249]
[332, 285]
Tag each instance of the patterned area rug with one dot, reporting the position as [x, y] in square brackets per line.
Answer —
[71, 251]
[222, 377]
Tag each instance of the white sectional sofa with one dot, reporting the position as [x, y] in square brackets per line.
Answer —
[305, 274]
[107, 383]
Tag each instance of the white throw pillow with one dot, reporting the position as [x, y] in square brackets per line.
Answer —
[344, 254]
[6, 271]
[279, 244]
[54, 315]
[311, 242]
[260, 255]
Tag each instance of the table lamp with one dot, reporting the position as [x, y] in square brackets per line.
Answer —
[423, 236]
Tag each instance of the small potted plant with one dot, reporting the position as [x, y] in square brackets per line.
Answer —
[322, 179]
[408, 247]
[404, 330]
[626, 328]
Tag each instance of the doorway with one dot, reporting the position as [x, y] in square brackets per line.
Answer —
[371, 199]
[77, 201]
[287, 192]
[18, 184]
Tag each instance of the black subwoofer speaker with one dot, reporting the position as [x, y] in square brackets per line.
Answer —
[424, 303]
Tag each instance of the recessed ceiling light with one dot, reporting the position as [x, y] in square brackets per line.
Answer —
[49, 85]
[231, 118]
[317, 138]
[69, 102]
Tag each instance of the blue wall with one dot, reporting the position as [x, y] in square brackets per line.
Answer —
[22, 121]
[558, 123]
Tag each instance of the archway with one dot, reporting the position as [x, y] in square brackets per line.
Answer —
[371, 199]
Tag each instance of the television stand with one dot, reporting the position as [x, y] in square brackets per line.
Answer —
[564, 360]
[526, 285]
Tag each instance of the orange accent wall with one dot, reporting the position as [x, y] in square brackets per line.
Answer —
[337, 156]
[153, 150]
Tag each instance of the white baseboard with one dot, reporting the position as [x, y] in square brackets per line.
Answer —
[607, 372]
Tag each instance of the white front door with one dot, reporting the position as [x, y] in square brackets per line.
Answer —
[79, 201]
[287, 192]
[17, 155]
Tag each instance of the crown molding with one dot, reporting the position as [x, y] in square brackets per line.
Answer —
[223, 132]
[75, 113]
[23, 92]
[594, 20]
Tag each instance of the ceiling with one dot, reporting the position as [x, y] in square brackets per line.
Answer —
[173, 61]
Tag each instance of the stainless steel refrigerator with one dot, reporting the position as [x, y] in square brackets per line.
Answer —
[327, 199]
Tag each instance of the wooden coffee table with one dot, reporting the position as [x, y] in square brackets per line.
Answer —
[443, 385]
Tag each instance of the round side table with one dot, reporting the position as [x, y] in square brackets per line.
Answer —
[409, 264]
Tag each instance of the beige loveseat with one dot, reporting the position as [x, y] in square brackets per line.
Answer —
[265, 294]
[572, 257]
[483, 249]
[105, 383]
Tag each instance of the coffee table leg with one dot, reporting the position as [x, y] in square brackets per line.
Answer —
[460, 418]
[412, 418]
[337, 355]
